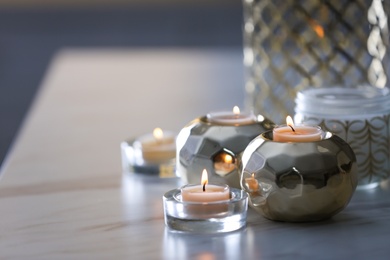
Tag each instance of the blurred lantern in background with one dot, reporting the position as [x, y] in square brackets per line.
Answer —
[292, 45]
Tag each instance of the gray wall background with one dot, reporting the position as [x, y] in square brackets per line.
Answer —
[31, 31]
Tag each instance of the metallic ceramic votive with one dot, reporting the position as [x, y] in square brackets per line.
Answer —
[216, 148]
[299, 182]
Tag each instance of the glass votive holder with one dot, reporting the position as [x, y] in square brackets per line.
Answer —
[360, 116]
[149, 154]
[299, 181]
[205, 217]
[217, 146]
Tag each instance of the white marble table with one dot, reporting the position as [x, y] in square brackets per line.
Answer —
[63, 194]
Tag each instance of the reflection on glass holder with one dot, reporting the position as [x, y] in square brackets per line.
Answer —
[178, 245]
[298, 182]
[133, 161]
[215, 147]
[205, 217]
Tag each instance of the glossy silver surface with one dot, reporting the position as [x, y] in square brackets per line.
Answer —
[299, 182]
[200, 144]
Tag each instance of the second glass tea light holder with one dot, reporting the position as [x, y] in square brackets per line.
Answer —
[299, 181]
[215, 142]
[152, 154]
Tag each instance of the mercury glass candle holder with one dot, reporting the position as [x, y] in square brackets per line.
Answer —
[203, 144]
[205, 217]
[299, 181]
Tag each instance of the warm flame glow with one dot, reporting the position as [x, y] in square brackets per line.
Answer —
[319, 30]
[158, 133]
[289, 121]
[228, 158]
[236, 110]
[205, 178]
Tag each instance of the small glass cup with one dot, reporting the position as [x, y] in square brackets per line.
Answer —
[205, 217]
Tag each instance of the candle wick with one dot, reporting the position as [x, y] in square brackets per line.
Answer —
[204, 187]
[292, 128]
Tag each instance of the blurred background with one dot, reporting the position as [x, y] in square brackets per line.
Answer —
[32, 31]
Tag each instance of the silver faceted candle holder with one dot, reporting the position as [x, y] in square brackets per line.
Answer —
[216, 146]
[299, 181]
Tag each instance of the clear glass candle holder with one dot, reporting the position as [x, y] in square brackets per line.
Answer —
[134, 161]
[361, 116]
[205, 217]
[299, 181]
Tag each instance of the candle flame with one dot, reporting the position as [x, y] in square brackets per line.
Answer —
[236, 110]
[158, 133]
[289, 121]
[205, 178]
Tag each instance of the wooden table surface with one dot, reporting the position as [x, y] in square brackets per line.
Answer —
[63, 194]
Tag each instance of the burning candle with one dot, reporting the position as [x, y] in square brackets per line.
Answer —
[205, 192]
[158, 146]
[291, 133]
[232, 118]
[205, 208]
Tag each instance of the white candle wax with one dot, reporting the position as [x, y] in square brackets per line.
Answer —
[301, 134]
[234, 117]
[158, 146]
[204, 192]
[212, 193]
[291, 133]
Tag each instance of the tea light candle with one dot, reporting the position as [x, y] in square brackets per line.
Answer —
[291, 133]
[233, 118]
[205, 208]
[158, 146]
[204, 192]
